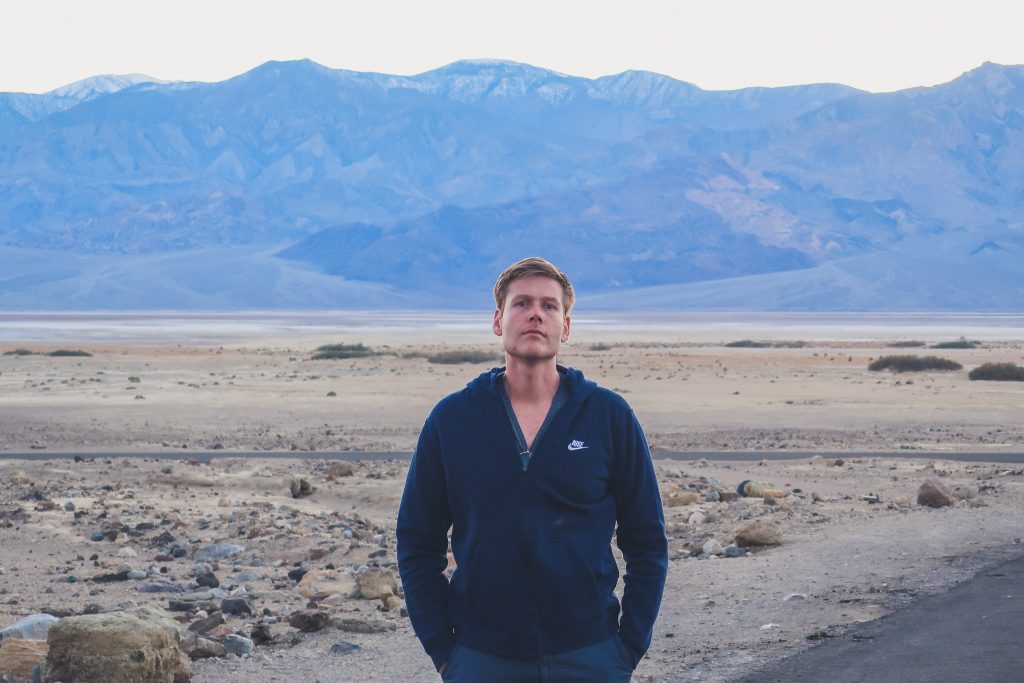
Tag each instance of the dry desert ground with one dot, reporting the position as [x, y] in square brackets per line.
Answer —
[855, 542]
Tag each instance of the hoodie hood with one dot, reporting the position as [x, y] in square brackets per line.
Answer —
[578, 386]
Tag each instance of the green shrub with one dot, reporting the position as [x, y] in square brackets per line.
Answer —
[907, 344]
[336, 351]
[134, 380]
[332, 393]
[601, 346]
[68, 352]
[998, 372]
[19, 352]
[958, 344]
[456, 357]
[748, 344]
[913, 364]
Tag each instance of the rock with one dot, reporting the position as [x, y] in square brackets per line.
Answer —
[712, 496]
[757, 533]
[353, 625]
[320, 583]
[218, 551]
[238, 606]
[343, 647]
[756, 489]
[126, 552]
[934, 493]
[160, 586]
[299, 487]
[32, 627]
[728, 496]
[69, 506]
[261, 634]
[308, 620]
[697, 517]
[682, 498]
[770, 627]
[206, 648]
[297, 574]
[375, 583]
[339, 469]
[238, 645]
[18, 657]
[795, 596]
[962, 492]
[204, 625]
[393, 602]
[117, 647]
[712, 547]
[734, 551]
[208, 580]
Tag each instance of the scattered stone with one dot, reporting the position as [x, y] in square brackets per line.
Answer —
[392, 603]
[734, 551]
[712, 547]
[962, 492]
[712, 496]
[682, 498]
[320, 583]
[696, 518]
[218, 551]
[126, 552]
[934, 493]
[355, 625]
[769, 627]
[338, 469]
[299, 487]
[69, 506]
[308, 621]
[755, 489]
[204, 625]
[18, 657]
[261, 634]
[117, 647]
[297, 574]
[32, 627]
[205, 648]
[238, 606]
[160, 586]
[728, 496]
[208, 580]
[795, 596]
[374, 583]
[238, 645]
[343, 647]
[757, 533]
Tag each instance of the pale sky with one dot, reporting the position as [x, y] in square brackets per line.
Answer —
[875, 45]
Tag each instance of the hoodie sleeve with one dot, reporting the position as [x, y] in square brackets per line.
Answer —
[422, 534]
[640, 536]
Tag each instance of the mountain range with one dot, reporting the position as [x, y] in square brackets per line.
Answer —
[295, 185]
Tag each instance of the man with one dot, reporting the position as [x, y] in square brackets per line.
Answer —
[532, 466]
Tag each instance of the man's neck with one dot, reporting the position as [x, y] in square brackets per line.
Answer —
[530, 382]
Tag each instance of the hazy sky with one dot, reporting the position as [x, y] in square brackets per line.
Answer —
[717, 44]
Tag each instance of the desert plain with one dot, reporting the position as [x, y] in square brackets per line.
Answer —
[191, 431]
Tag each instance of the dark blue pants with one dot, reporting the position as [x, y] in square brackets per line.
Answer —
[604, 662]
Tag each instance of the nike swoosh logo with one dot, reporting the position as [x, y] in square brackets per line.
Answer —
[577, 446]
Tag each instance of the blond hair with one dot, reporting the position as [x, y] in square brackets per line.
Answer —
[532, 267]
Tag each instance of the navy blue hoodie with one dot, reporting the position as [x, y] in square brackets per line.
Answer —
[531, 538]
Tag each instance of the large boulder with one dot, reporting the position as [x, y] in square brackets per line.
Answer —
[18, 657]
[117, 647]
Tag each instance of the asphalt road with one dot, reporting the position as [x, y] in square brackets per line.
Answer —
[971, 633]
[206, 456]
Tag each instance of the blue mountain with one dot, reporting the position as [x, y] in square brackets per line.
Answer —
[407, 190]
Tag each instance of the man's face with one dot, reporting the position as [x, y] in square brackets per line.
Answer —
[532, 322]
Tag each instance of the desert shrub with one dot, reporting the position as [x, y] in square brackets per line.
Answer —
[913, 364]
[600, 346]
[998, 372]
[958, 344]
[332, 393]
[336, 351]
[68, 352]
[748, 344]
[907, 344]
[456, 357]
[19, 352]
[134, 380]
[790, 344]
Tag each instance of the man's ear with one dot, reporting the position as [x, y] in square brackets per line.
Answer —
[496, 325]
[565, 330]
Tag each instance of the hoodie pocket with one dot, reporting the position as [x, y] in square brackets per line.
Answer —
[566, 592]
[519, 585]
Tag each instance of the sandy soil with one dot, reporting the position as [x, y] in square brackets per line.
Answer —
[844, 557]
